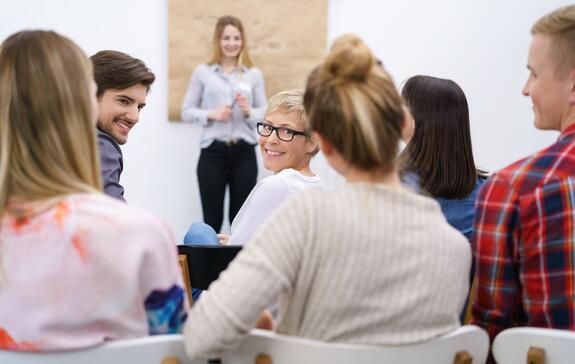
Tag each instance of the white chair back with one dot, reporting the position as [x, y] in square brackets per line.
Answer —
[542, 345]
[269, 347]
[160, 349]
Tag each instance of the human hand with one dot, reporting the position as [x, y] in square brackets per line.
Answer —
[243, 104]
[223, 239]
[221, 114]
[265, 321]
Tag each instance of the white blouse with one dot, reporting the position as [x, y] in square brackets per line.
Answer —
[266, 197]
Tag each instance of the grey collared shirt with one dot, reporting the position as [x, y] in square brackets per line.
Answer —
[211, 89]
[111, 165]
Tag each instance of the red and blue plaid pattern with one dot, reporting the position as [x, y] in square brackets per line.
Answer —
[524, 242]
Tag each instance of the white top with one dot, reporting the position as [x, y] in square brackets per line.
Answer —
[361, 264]
[266, 197]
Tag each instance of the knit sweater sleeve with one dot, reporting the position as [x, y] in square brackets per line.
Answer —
[266, 266]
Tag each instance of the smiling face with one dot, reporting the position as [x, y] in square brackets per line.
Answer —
[549, 92]
[231, 42]
[277, 154]
[120, 111]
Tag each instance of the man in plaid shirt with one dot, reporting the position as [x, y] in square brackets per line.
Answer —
[524, 240]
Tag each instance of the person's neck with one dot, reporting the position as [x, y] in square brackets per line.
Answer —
[228, 64]
[306, 171]
[568, 120]
[390, 179]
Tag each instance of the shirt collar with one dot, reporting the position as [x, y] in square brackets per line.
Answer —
[568, 132]
[217, 68]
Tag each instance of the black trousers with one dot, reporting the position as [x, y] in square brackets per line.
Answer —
[222, 164]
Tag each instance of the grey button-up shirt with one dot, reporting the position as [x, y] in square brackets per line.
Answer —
[111, 165]
[211, 89]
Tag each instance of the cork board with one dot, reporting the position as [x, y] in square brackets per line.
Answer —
[286, 40]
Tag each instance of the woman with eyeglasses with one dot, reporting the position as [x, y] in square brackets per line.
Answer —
[287, 147]
[367, 263]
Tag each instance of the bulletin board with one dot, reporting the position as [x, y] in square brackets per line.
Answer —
[286, 40]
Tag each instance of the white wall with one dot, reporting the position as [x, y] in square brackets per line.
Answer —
[482, 45]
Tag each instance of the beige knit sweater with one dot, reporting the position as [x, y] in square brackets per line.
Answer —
[361, 264]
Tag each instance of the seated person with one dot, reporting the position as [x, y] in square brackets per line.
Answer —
[77, 268]
[287, 148]
[438, 159]
[367, 263]
[122, 82]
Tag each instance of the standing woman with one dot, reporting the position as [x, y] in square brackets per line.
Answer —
[227, 97]
[438, 160]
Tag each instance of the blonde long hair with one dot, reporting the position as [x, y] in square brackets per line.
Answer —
[47, 131]
[244, 56]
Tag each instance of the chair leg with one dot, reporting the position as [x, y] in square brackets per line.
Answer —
[183, 260]
[263, 359]
[462, 357]
[170, 360]
[535, 355]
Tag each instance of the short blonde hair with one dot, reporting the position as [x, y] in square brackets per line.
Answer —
[353, 103]
[290, 101]
[47, 135]
[244, 58]
[559, 25]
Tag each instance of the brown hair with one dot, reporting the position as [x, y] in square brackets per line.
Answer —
[117, 70]
[47, 134]
[244, 56]
[353, 103]
[440, 152]
[560, 26]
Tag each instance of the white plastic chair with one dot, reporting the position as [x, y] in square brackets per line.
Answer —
[534, 346]
[263, 347]
[160, 349]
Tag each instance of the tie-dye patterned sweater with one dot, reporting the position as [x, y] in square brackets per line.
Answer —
[78, 271]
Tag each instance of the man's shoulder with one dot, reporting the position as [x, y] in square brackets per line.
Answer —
[554, 163]
[106, 143]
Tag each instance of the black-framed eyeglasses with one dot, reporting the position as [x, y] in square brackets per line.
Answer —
[283, 133]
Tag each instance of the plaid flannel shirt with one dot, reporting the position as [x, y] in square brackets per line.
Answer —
[524, 242]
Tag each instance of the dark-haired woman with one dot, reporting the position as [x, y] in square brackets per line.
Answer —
[438, 160]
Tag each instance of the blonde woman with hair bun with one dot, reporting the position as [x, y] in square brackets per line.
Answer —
[359, 264]
[78, 268]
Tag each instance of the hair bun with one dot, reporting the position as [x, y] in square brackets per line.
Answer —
[350, 59]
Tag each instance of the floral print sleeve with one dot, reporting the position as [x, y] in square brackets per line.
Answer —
[84, 269]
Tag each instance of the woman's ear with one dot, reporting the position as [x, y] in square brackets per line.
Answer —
[408, 125]
[324, 145]
[312, 144]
